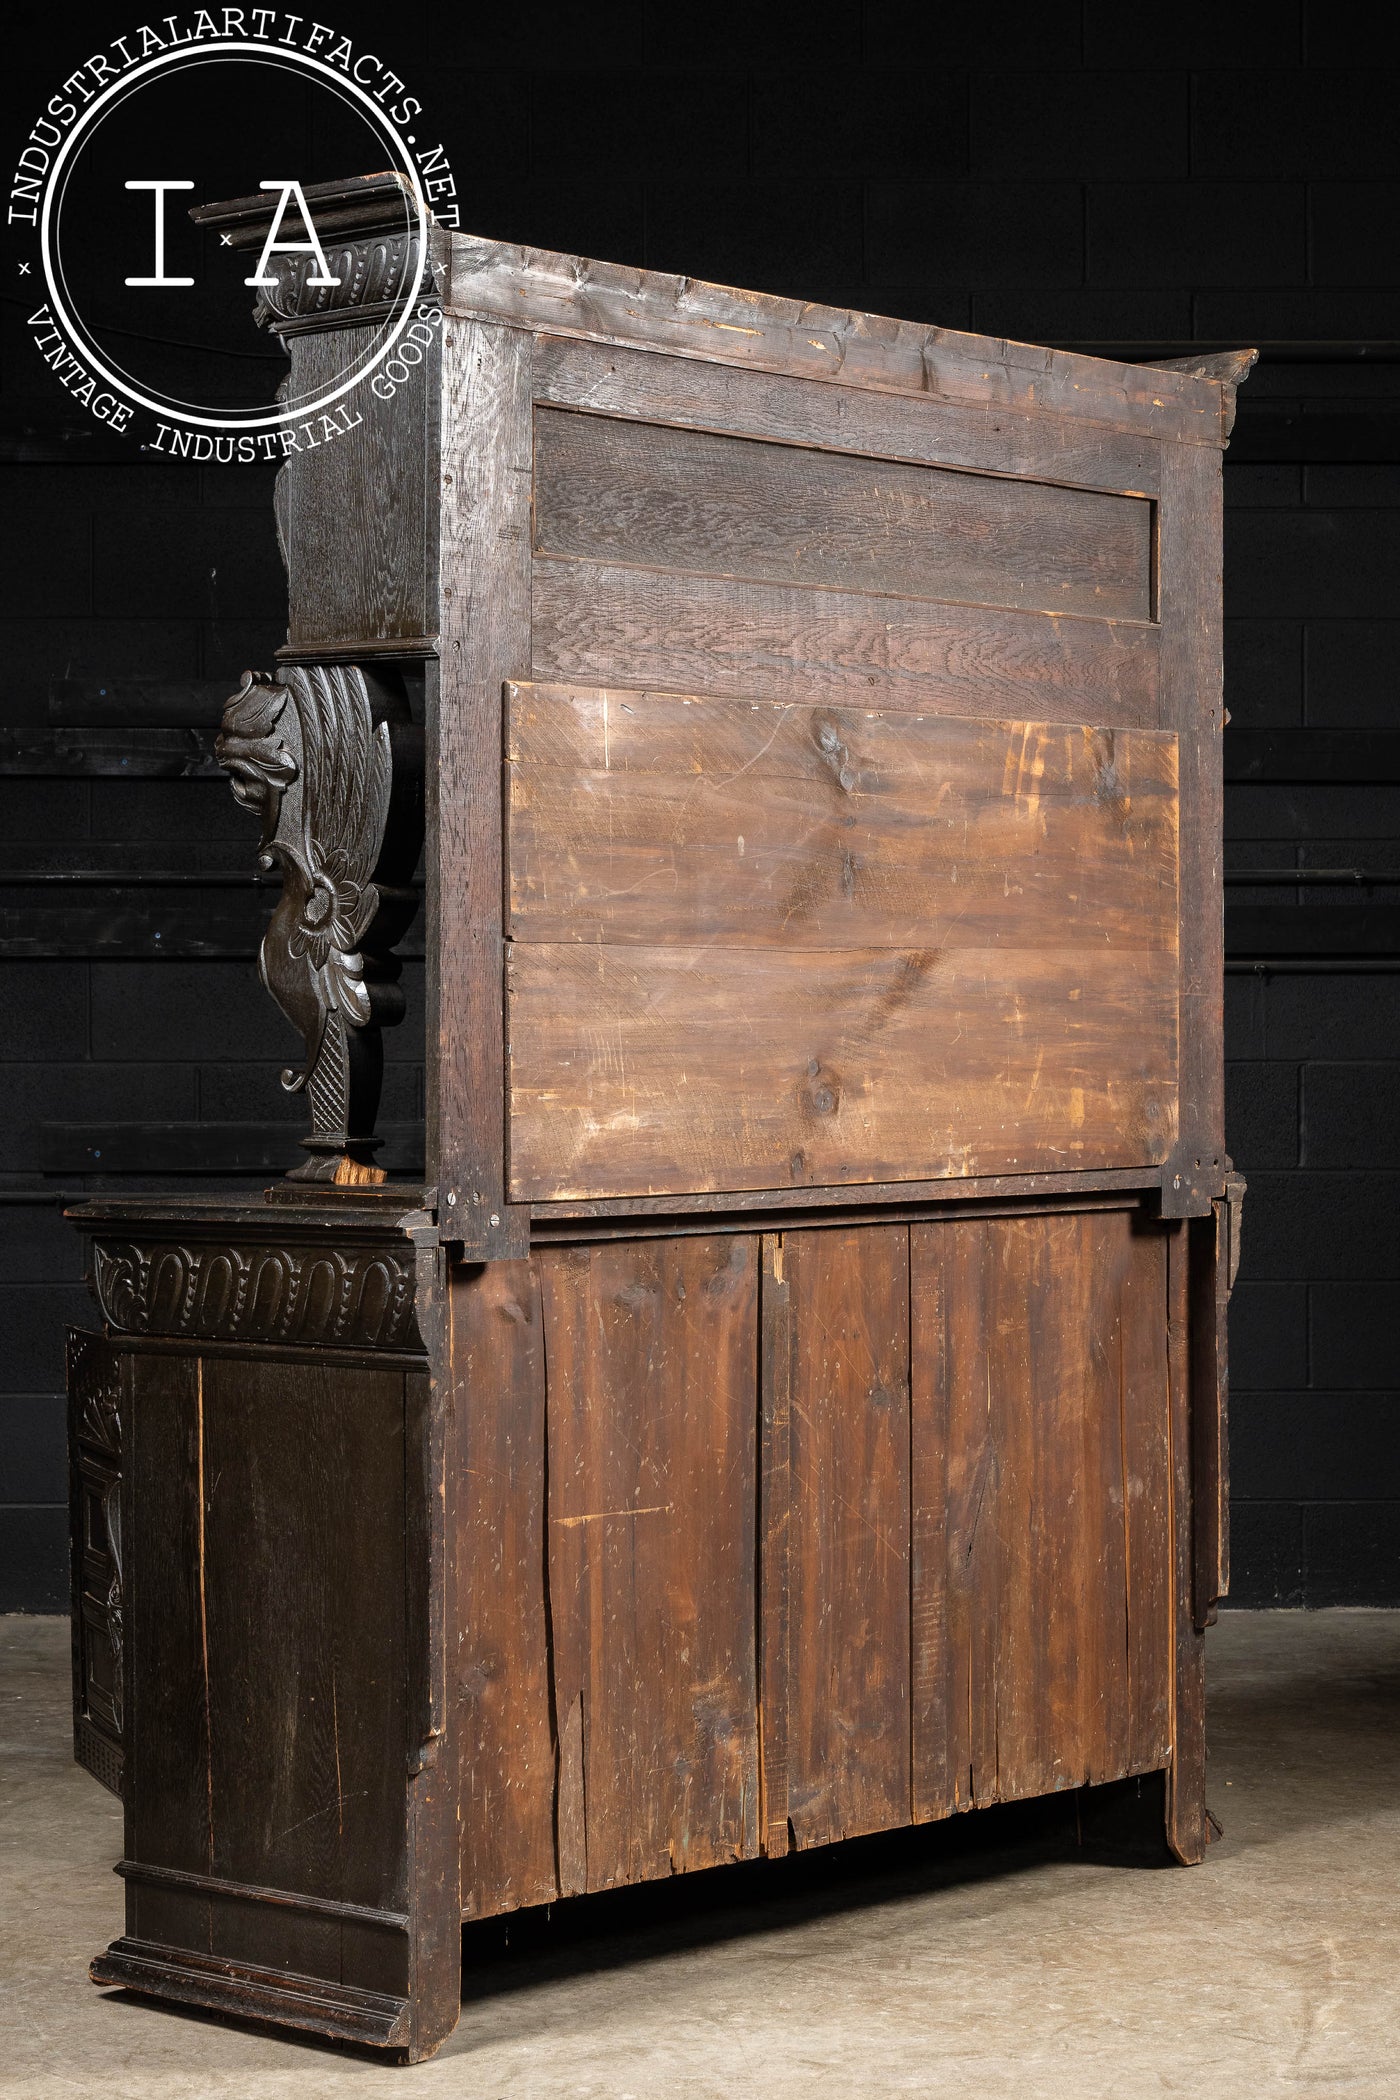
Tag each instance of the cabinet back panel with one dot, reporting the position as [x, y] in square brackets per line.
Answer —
[613, 490]
[1041, 1507]
[607, 624]
[894, 1498]
[652, 1409]
[759, 947]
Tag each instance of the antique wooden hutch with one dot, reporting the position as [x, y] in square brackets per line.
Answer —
[792, 1405]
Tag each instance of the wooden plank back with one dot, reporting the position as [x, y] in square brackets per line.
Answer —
[605, 623]
[616, 490]
[683, 391]
[756, 946]
[1042, 1505]
[847, 1708]
[652, 1352]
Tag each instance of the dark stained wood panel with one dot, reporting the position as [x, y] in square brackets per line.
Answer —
[683, 390]
[652, 1356]
[848, 1736]
[306, 1678]
[1052, 1445]
[612, 490]
[168, 1822]
[502, 1664]
[360, 530]
[267, 1664]
[758, 947]
[604, 624]
[1187, 1826]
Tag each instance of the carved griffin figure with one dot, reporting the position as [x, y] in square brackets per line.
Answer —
[333, 767]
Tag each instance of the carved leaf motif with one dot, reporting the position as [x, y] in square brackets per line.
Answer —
[95, 1384]
[357, 1297]
[369, 274]
[307, 751]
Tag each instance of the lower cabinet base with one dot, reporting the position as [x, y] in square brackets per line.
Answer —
[243, 1989]
[450, 1592]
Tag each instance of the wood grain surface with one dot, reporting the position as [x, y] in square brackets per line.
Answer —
[848, 1738]
[359, 523]
[273, 1815]
[614, 303]
[612, 490]
[604, 624]
[306, 1743]
[652, 1354]
[1057, 1669]
[756, 947]
[1192, 703]
[485, 640]
[686, 392]
[502, 1664]
[1187, 1822]
[775, 1372]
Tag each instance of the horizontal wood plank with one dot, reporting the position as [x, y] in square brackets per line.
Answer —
[612, 302]
[644, 1070]
[608, 380]
[609, 489]
[666, 819]
[603, 624]
[763, 947]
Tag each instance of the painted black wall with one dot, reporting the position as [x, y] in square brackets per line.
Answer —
[1093, 176]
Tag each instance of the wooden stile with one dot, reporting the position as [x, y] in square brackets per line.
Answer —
[794, 1404]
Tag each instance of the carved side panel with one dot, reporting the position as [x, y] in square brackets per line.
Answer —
[332, 761]
[95, 1459]
[223, 1290]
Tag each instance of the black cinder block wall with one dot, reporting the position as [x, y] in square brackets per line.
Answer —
[1084, 175]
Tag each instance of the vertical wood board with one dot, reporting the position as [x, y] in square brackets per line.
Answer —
[1192, 702]
[304, 1609]
[485, 622]
[848, 1741]
[1057, 1403]
[652, 1356]
[501, 1666]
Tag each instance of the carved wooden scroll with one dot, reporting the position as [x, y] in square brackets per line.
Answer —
[371, 233]
[98, 1600]
[329, 756]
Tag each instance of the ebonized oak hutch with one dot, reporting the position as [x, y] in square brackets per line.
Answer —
[793, 1403]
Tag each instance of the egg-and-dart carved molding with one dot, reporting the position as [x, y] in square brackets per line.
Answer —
[347, 1297]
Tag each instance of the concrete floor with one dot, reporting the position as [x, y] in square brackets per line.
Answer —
[983, 1961]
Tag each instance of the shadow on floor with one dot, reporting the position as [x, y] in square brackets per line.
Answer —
[1116, 1825]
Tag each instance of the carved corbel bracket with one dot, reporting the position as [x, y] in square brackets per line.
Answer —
[330, 757]
[371, 231]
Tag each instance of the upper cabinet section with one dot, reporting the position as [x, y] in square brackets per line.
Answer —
[824, 720]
